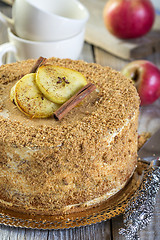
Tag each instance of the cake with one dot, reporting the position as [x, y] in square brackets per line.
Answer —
[53, 167]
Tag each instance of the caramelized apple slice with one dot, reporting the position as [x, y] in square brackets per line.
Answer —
[58, 84]
[30, 100]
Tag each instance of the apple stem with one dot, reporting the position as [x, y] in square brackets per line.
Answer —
[135, 75]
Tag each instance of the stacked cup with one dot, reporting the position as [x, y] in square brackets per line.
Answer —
[45, 28]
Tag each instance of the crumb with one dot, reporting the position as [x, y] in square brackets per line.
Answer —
[142, 138]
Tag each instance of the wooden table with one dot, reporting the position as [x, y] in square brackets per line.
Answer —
[108, 230]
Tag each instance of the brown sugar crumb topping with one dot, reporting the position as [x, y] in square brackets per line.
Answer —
[116, 101]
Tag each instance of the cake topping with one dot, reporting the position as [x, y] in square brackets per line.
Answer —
[73, 101]
[58, 84]
[30, 100]
[64, 80]
[40, 61]
[41, 92]
[96, 116]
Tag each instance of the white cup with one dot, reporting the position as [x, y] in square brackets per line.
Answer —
[25, 49]
[46, 20]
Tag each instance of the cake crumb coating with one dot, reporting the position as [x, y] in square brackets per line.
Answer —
[90, 152]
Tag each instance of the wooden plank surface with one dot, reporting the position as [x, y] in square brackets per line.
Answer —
[97, 34]
[94, 232]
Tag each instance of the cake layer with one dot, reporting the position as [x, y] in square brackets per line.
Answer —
[50, 166]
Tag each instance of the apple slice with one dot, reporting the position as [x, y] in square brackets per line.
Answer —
[30, 100]
[58, 84]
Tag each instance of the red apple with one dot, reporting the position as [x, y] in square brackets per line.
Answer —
[146, 77]
[128, 18]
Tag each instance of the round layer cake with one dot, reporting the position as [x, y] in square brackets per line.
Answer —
[49, 166]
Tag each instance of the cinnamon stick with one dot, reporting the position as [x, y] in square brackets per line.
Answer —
[40, 61]
[74, 100]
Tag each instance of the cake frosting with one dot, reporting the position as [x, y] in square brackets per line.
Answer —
[49, 166]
